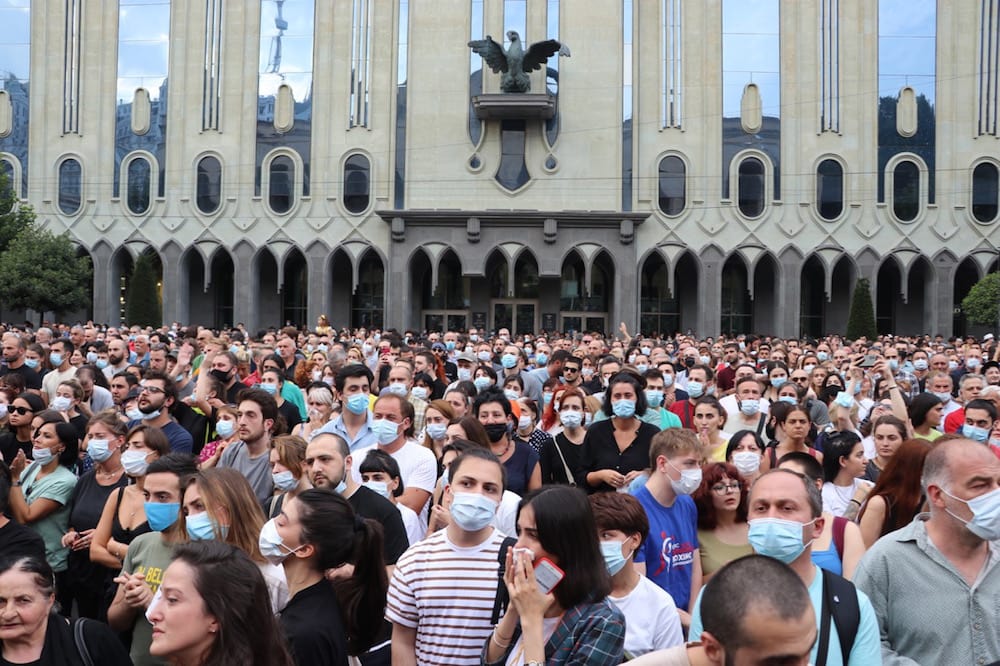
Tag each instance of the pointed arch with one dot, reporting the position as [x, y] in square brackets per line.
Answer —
[735, 305]
[812, 304]
[766, 275]
[368, 305]
[294, 288]
[843, 277]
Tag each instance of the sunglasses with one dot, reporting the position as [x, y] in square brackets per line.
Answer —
[22, 410]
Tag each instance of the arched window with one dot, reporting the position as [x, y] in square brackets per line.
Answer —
[209, 185]
[829, 189]
[751, 190]
[906, 191]
[70, 187]
[672, 185]
[281, 187]
[357, 183]
[138, 174]
[985, 191]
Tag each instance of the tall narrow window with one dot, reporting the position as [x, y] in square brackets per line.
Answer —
[71, 68]
[210, 96]
[672, 185]
[627, 127]
[475, 72]
[357, 183]
[829, 64]
[361, 63]
[15, 45]
[906, 191]
[209, 186]
[285, 84]
[989, 66]
[138, 178]
[829, 189]
[751, 184]
[670, 58]
[402, 59]
[70, 187]
[552, 71]
[281, 186]
[985, 191]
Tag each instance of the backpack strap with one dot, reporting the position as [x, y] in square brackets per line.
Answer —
[81, 642]
[839, 525]
[840, 601]
[760, 423]
[502, 596]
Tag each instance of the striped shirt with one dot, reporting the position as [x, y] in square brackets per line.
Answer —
[446, 593]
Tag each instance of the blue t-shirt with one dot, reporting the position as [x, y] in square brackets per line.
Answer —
[179, 438]
[670, 549]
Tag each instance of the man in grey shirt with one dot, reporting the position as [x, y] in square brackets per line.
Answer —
[257, 413]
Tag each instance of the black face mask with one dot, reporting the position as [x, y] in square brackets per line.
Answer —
[495, 431]
[689, 362]
[221, 376]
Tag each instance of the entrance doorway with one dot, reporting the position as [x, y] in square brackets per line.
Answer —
[519, 316]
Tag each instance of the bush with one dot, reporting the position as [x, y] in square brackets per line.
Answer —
[982, 305]
[861, 322]
[142, 298]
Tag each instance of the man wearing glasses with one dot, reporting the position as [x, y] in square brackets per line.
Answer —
[157, 394]
[571, 372]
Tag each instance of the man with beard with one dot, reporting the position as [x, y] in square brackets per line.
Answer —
[14, 347]
[223, 370]
[157, 394]
[117, 357]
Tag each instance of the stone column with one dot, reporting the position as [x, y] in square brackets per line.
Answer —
[174, 284]
[710, 284]
[788, 304]
[105, 305]
[318, 291]
[245, 301]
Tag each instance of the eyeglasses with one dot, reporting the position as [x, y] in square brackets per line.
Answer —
[726, 488]
[22, 410]
[800, 380]
[567, 369]
[153, 390]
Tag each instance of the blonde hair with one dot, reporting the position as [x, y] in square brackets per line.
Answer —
[673, 442]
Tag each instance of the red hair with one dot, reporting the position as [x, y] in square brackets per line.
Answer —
[899, 484]
[550, 416]
[711, 474]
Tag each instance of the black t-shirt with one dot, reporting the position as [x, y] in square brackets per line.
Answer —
[314, 627]
[89, 498]
[369, 504]
[234, 391]
[10, 445]
[553, 469]
[600, 451]
[290, 413]
[21, 541]
[32, 380]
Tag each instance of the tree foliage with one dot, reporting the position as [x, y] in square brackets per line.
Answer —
[982, 305]
[14, 216]
[41, 271]
[861, 322]
[142, 299]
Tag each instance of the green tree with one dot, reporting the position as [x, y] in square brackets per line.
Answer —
[14, 216]
[861, 321]
[142, 298]
[41, 271]
[982, 305]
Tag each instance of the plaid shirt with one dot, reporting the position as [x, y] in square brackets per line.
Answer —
[589, 634]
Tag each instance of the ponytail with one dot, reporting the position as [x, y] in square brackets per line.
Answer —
[362, 596]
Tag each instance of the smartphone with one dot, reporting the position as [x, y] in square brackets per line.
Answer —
[547, 575]
[869, 361]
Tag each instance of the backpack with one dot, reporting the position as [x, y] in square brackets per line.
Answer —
[503, 596]
[840, 601]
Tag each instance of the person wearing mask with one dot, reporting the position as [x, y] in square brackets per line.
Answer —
[756, 611]
[42, 489]
[844, 489]
[948, 555]
[320, 406]
[150, 554]
[897, 497]
[669, 556]
[560, 458]
[16, 540]
[324, 623]
[353, 391]
[401, 385]
[69, 395]
[745, 451]
[615, 451]
[749, 413]
[157, 394]
[273, 381]
[288, 472]
[979, 418]
[219, 504]
[124, 514]
[495, 413]
[86, 581]
[14, 362]
[699, 383]
[21, 411]
[513, 362]
[59, 354]
[651, 619]
[575, 623]
[213, 609]
[225, 429]
[257, 414]
[527, 430]
[721, 500]
[380, 473]
[785, 518]
[656, 413]
[437, 417]
[505, 519]
[431, 624]
[392, 420]
[33, 633]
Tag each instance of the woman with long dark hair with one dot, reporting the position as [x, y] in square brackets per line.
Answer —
[212, 609]
[897, 496]
[844, 491]
[575, 623]
[325, 622]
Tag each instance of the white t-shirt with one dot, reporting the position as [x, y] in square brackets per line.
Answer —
[836, 498]
[417, 468]
[733, 410]
[505, 519]
[277, 585]
[651, 619]
[416, 529]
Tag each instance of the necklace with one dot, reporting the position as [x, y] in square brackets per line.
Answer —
[844, 497]
[506, 450]
[111, 473]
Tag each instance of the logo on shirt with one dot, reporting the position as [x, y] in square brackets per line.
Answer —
[673, 554]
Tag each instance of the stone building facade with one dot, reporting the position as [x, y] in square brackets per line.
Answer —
[703, 165]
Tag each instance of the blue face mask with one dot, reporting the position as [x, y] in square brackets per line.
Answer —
[379, 487]
[91, 357]
[102, 363]
[283, 481]
[695, 389]
[437, 431]
[357, 403]
[623, 409]
[985, 522]
[654, 397]
[541, 359]
[975, 433]
[508, 361]
[385, 431]
[449, 345]
[56, 359]
[822, 356]
[777, 538]
[472, 511]
[790, 399]
[99, 449]
[482, 383]
[201, 527]
[778, 382]
[31, 363]
[270, 388]
[613, 557]
[225, 428]
[161, 515]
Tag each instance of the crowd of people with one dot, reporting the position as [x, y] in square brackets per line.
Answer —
[330, 497]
